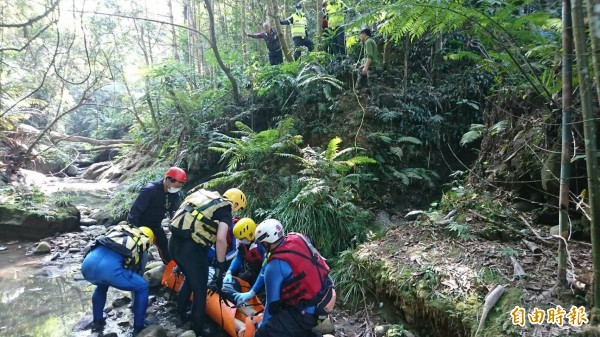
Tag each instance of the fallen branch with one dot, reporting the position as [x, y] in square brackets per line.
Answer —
[497, 223]
[490, 301]
[102, 148]
[517, 269]
[55, 136]
[537, 235]
[532, 246]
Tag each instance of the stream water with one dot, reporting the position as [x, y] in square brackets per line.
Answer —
[42, 296]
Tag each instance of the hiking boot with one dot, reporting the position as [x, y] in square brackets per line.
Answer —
[137, 330]
[98, 326]
[182, 320]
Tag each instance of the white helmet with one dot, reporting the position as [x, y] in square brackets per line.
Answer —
[269, 231]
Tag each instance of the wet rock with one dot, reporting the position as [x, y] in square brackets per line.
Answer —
[102, 217]
[154, 264]
[325, 327]
[42, 248]
[48, 271]
[35, 224]
[88, 222]
[71, 170]
[153, 331]
[95, 170]
[110, 334]
[125, 323]
[84, 323]
[154, 275]
[381, 330]
[121, 302]
[189, 333]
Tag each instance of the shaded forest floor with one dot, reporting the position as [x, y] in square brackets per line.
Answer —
[433, 274]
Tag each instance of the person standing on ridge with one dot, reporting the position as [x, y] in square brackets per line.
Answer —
[334, 14]
[370, 65]
[202, 220]
[299, 32]
[272, 41]
[154, 201]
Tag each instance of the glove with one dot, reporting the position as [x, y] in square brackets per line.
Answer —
[228, 278]
[219, 273]
[243, 297]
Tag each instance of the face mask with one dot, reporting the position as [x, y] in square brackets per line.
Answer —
[173, 189]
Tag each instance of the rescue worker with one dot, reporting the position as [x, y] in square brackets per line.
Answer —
[299, 33]
[334, 33]
[115, 260]
[370, 65]
[247, 263]
[297, 284]
[231, 251]
[272, 41]
[154, 201]
[201, 221]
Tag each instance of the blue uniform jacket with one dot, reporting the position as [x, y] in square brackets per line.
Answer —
[151, 204]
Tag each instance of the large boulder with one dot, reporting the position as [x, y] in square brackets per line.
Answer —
[35, 224]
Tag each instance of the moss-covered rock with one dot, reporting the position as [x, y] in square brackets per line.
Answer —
[35, 224]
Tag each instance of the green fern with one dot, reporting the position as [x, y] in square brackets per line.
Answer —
[473, 134]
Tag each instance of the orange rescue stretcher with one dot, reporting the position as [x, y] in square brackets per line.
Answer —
[235, 321]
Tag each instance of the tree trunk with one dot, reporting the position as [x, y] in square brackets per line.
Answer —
[436, 58]
[242, 29]
[173, 34]
[407, 45]
[565, 160]
[213, 45]
[274, 14]
[589, 130]
[593, 10]
[319, 23]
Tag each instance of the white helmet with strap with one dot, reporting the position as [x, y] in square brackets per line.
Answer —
[269, 231]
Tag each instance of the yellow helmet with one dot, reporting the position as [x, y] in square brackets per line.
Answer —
[244, 229]
[237, 197]
[148, 233]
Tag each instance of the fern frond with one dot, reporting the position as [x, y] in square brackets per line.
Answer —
[411, 140]
[332, 148]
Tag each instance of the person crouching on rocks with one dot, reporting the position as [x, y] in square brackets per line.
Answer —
[115, 260]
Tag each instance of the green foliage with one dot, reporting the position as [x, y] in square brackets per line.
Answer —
[301, 82]
[508, 251]
[321, 201]
[486, 276]
[256, 161]
[123, 198]
[63, 200]
[323, 213]
[474, 133]
[352, 279]
[23, 196]
[459, 230]
[396, 330]
[394, 153]
[276, 83]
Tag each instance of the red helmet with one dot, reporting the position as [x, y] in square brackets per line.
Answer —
[177, 174]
